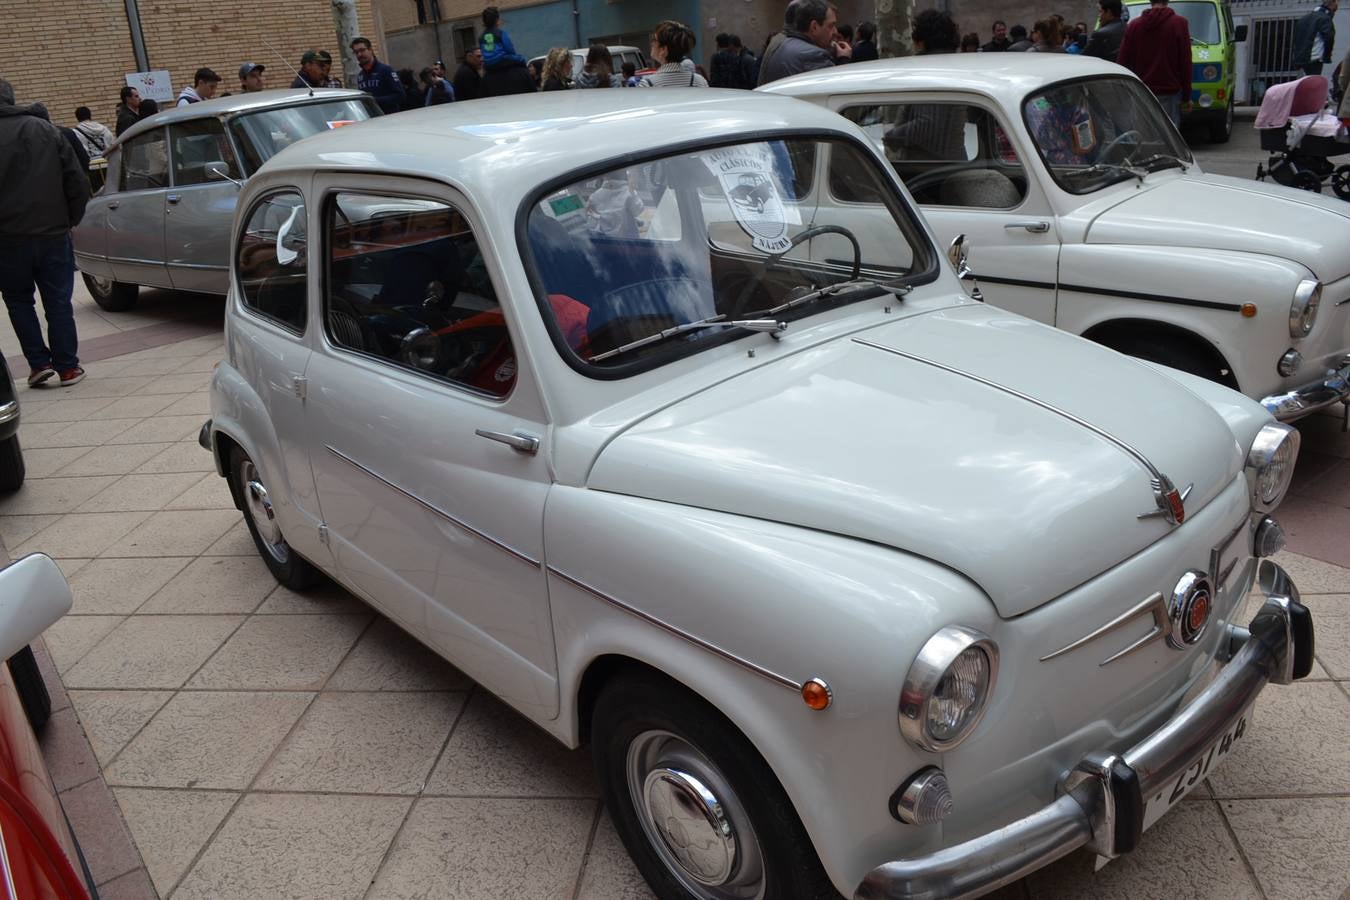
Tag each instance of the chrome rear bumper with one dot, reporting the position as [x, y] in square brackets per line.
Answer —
[1309, 398]
[1102, 806]
[9, 411]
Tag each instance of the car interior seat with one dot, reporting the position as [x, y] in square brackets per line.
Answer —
[983, 188]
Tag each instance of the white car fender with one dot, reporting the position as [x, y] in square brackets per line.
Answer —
[239, 414]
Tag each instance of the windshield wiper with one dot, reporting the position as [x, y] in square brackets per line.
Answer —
[1163, 158]
[768, 326]
[1103, 168]
[831, 290]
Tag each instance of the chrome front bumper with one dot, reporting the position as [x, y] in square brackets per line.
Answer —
[1309, 398]
[9, 411]
[1102, 804]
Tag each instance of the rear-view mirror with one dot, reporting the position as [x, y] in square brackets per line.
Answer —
[1240, 34]
[33, 595]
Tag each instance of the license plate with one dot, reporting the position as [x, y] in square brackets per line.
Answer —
[1156, 806]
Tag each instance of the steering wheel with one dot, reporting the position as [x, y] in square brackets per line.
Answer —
[773, 259]
[1125, 137]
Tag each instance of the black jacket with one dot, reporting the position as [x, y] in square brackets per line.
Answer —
[1316, 23]
[468, 83]
[44, 186]
[126, 117]
[1104, 43]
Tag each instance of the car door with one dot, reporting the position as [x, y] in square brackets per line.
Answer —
[199, 210]
[90, 236]
[428, 436]
[957, 158]
[135, 231]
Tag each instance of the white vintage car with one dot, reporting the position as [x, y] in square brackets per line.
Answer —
[847, 583]
[1086, 210]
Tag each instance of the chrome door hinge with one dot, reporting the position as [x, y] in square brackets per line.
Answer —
[300, 383]
[323, 534]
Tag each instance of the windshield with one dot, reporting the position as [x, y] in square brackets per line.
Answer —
[263, 134]
[725, 234]
[1097, 132]
[1201, 18]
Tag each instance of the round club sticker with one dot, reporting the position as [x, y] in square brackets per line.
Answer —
[746, 176]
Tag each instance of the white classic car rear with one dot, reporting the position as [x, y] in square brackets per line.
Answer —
[1086, 211]
[702, 456]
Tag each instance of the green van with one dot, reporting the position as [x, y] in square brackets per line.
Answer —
[1214, 42]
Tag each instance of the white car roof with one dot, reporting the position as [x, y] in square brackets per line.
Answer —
[1006, 77]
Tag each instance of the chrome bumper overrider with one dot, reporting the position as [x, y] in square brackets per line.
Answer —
[1102, 802]
[9, 411]
[1335, 385]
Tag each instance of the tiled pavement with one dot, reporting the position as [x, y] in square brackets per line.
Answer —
[259, 743]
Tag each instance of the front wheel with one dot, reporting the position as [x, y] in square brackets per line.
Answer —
[1340, 182]
[32, 690]
[700, 813]
[287, 566]
[11, 464]
[113, 296]
[1220, 132]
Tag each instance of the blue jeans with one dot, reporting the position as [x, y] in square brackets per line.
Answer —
[47, 263]
[1171, 104]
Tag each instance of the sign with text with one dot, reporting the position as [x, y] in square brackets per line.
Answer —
[156, 86]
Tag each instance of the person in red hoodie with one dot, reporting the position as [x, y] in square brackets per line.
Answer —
[1157, 48]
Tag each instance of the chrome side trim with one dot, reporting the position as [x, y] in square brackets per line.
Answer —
[133, 260]
[204, 266]
[679, 632]
[435, 510]
[9, 411]
[1162, 625]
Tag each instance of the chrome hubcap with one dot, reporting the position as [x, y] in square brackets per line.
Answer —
[104, 285]
[259, 507]
[693, 819]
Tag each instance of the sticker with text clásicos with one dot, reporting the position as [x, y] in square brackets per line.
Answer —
[747, 179]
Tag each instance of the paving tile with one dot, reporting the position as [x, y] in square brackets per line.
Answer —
[198, 404]
[171, 826]
[52, 495]
[83, 535]
[178, 383]
[210, 492]
[89, 433]
[323, 598]
[104, 840]
[219, 584]
[1298, 743]
[364, 743]
[42, 434]
[387, 658]
[14, 530]
[132, 886]
[183, 456]
[112, 718]
[1331, 622]
[71, 637]
[1312, 468]
[174, 533]
[112, 459]
[161, 429]
[1192, 832]
[151, 652]
[1313, 576]
[143, 493]
[43, 463]
[66, 410]
[610, 873]
[236, 542]
[161, 365]
[1300, 849]
[487, 848]
[70, 566]
[1317, 529]
[208, 739]
[321, 847]
[205, 363]
[281, 653]
[113, 386]
[120, 586]
[134, 407]
[495, 751]
[69, 759]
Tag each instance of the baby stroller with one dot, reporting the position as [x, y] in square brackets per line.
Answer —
[1302, 135]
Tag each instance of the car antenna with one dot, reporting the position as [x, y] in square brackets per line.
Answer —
[288, 65]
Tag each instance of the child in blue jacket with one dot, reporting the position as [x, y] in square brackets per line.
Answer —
[498, 51]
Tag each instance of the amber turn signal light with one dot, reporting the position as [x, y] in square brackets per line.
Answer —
[817, 694]
[1249, 310]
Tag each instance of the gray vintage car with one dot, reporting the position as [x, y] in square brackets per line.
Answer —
[163, 218]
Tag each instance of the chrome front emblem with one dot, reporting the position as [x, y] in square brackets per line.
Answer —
[1171, 502]
[1190, 608]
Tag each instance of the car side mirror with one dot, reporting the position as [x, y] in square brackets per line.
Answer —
[958, 254]
[1240, 34]
[220, 171]
[33, 595]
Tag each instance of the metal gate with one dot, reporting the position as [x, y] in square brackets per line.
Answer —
[1270, 45]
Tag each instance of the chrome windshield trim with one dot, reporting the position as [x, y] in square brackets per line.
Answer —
[436, 510]
[730, 657]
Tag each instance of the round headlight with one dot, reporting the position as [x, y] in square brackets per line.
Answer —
[947, 688]
[1303, 311]
[1270, 464]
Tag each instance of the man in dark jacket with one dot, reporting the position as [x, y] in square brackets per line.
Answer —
[129, 110]
[468, 80]
[810, 42]
[720, 67]
[1000, 42]
[1105, 41]
[1157, 48]
[1314, 37]
[376, 78]
[1020, 43]
[45, 192]
[865, 47]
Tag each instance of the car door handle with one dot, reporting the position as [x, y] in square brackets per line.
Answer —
[174, 198]
[525, 443]
[1033, 227]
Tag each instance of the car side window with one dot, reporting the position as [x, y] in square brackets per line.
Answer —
[407, 284]
[272, 260]
[145, 162]
[948, 154]
[196, 145]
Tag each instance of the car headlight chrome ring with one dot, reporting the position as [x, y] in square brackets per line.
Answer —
[1270, 464]
[947, 688]
[1303, 311]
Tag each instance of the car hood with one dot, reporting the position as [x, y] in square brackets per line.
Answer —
[942, 457]
[1216, 212]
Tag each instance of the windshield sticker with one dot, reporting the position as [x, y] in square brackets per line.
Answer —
[746, 176]
[338, 123]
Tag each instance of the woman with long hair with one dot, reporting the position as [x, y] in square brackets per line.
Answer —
[599, 69]
[671, 44]
[1046, 37]
[557, 70]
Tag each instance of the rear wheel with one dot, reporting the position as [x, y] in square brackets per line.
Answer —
[113, 296]
[32, 690]
[11, 464]
[1220, 132]
[1340, 182]
[287, 566]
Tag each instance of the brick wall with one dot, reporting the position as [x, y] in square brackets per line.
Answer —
[77, 53]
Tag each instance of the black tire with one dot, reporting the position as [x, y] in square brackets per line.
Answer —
[11, 465]
[1340, 182]
[773, 857]
[287, 567]
[32, 690]
[1308, 181]
[1221, 131]
[113, 296]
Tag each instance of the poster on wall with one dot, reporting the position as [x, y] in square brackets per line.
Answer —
[156, 86]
